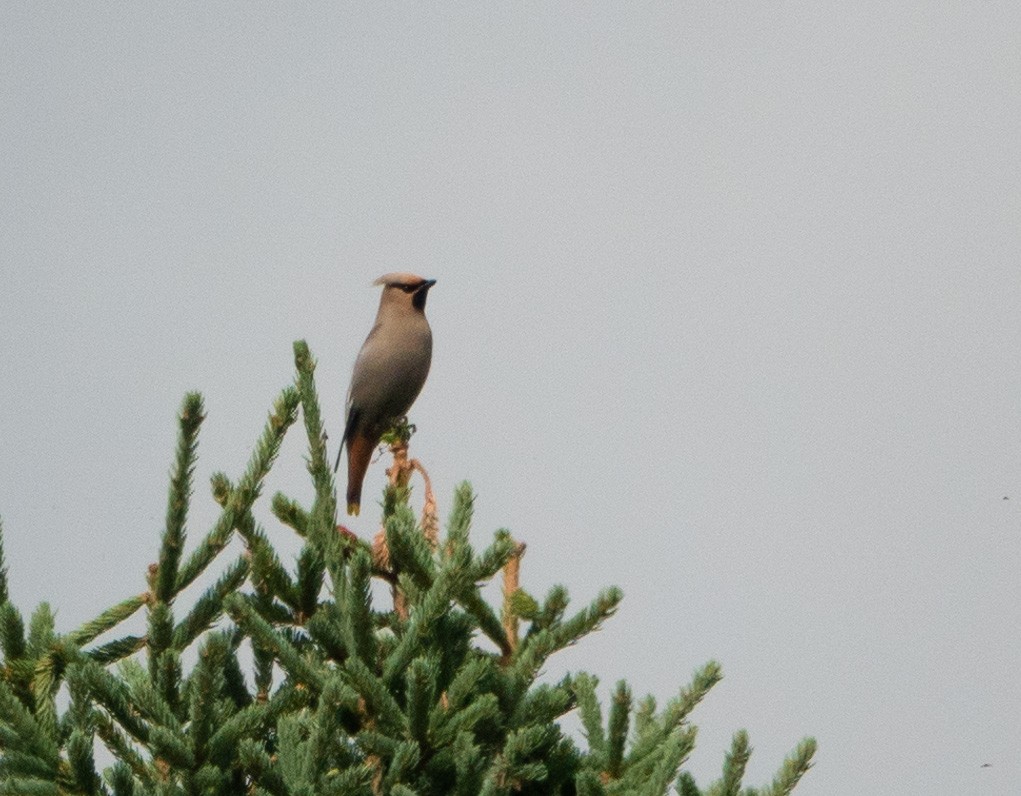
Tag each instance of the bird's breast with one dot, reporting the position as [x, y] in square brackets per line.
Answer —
[391, 369]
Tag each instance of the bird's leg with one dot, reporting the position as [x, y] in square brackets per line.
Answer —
[400, 431]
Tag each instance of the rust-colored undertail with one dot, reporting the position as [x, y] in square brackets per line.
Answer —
[359, 454]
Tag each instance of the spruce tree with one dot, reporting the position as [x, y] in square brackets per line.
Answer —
[302, 684]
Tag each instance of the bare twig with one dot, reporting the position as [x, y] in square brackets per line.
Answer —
[399, 475]
[511, 583]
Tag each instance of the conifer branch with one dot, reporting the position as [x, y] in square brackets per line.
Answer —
[482, 709]
[245, 724]
[405, 757]
[5, 594]
[489, 623]
[793, 769]
[467, 682]
[402, 790]
[347, 782]
[172, 748]
[396, 496]
[208, 549]
[535, 649]
[461, 513]
[204, 685]
[403, 702]
[290, 513]
[519, 761]
[591, 715]
[263, 661]
[209, 606]
[268, 575]
[378, 697]
[672, 753]
[116, 650]
[81, 762]
[551, 612]
[261, 768]
[190, 418]
[113, 695]
[29, 786]
[420, 688]
[652, 773]
[705, 678]
[318, 467]
[240, 499]
[617, 728]
[645, 717]
[458, 555]
[325, 628]
[285, 413]
[23, 733]
[41, 635]
[107, 620]
[656, 730]
[12, 633]
[355, 603]
[408, 549]
[158, 641]
[49, 670]
[319, 525]
[545, 703]
[311, 569]
[734, 764]
[145, 698]
[433, 605]
[121, 779]
[263, 634]
[469, 765]
[686, 785]
[338, 708]
[493, 558]
[377, 747]
[587, 783]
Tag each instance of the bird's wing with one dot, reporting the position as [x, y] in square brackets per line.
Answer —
[340, 452]
[353, 413]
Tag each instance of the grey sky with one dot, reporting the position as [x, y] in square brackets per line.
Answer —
[728, 314]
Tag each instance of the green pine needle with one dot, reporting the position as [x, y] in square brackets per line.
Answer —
[343, 677]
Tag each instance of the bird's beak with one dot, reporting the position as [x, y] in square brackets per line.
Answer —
[428, 283]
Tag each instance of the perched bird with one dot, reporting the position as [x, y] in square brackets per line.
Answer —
[388, 374]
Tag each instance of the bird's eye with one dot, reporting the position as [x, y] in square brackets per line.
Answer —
[408, 288]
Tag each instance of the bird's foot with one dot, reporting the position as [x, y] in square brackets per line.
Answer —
[400, 431]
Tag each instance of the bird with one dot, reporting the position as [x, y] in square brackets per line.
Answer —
[389, 373]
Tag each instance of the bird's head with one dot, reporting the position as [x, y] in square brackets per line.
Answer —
[404, 290]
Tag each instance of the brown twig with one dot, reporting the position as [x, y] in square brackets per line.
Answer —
[350, 536]
[511, 583]
[399, 475]
[430, 516]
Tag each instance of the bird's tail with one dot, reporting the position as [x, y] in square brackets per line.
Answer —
[359, 452]
[353, 503]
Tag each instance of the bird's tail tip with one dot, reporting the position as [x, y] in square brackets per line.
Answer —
[353, 509]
